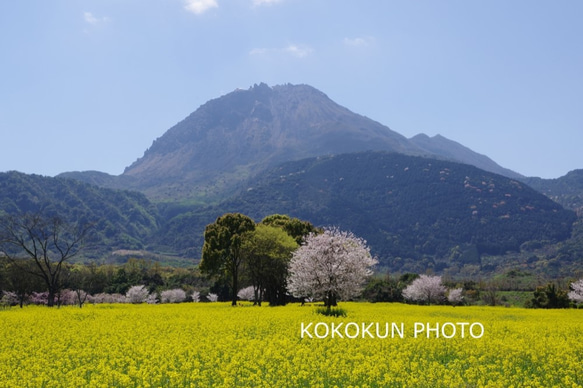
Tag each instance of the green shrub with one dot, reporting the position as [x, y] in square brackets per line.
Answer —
[331, 312]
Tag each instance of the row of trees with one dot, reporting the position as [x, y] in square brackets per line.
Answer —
[329, 265]
[282, 256]
[36, 251]
[268, 261]
[430, 289]
[236, 249]
[93, 279]
[135, 294]
[425, 289]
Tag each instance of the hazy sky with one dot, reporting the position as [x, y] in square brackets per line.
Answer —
[88, 85]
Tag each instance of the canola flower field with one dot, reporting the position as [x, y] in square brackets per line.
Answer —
[214, 344]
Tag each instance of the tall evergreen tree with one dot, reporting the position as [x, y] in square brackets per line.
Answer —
[221, 251]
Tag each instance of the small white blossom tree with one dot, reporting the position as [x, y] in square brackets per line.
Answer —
[195, 296]
[212, 297]
[425, 289]
[330, 266]
[247, 293]
[455, 296]
[576, 295]
[137, 294]
[176, 295]
[8, 299]
[108, 298]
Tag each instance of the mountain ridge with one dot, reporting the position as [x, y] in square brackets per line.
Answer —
[439, 145]
[210, 153]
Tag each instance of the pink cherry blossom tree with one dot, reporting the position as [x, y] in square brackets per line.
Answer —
[330, 266]
[576, 295]
[425, 289]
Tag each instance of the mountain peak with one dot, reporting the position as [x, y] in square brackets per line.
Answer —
[231, 138]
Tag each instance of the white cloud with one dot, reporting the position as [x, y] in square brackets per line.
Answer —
[298, 51]
[94, 20]
[200, 6]
[258, 51]
[265, 2]
[359, 42]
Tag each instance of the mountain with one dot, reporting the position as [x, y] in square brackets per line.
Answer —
[123, 219]
[228, 140]
[439, 146]
[416, 213]
[566, 190]
[233, 137]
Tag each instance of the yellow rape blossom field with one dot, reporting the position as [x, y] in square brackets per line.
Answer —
[214, 344]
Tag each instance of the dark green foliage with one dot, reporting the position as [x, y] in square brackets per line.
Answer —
[221, 252]
[384, 289]
[96, 279]
[18, 279]
[415, 213]
[407, 278]
[331, 311]
[550, 297]
[566, 190]
[266, 253]
[409, 208]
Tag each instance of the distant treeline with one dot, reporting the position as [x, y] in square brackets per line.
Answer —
[512, 288]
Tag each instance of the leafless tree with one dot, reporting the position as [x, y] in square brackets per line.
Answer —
[49, 242]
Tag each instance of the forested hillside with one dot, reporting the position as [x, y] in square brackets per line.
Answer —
[414, 212]
[122, 219]
[566, 190]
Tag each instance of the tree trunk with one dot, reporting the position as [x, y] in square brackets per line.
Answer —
[330, 300]
[79, 299]
[235, 285]
[51, 298]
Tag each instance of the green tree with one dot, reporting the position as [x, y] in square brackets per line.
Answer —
[221, 251]
[267, 252]
[384, 289]
[20, 281]
[294, 227]
[80, 280]
[550, 297]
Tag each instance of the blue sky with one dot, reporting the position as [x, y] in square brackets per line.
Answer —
[88, 85]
